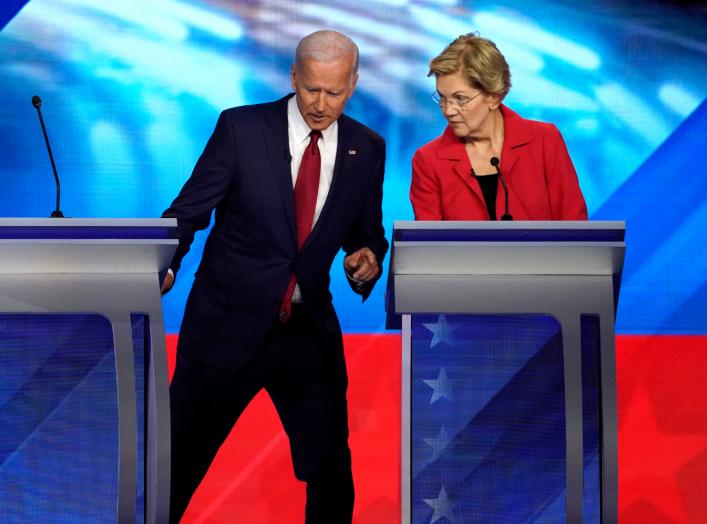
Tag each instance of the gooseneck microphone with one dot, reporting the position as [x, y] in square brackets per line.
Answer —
[494, 163]
[37, 103]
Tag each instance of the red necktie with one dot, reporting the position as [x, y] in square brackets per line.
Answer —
[306, 189]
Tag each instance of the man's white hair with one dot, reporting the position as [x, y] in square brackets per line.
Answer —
[326, 46]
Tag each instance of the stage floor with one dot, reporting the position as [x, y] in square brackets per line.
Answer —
[662, 440]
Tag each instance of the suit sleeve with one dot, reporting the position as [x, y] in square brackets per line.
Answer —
[207, 186]
[368, 230]
[424, 190]
[566, 199]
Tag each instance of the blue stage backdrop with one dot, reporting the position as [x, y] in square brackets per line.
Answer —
[132, 90]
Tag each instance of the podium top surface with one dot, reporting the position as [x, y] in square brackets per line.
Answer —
[508, 248]
[512, 231]
[86, 245]
[86, 228]
[433, 258]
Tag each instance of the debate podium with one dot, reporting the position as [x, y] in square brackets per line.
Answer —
[84, 399]
[508, 369]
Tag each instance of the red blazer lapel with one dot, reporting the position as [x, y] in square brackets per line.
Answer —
[452, 152]
[346, 158]
[517, 138]
[515, 135]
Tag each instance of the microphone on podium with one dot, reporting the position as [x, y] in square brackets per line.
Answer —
[37, 103]
[494, 163]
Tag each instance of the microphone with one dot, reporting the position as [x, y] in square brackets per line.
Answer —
[287, 155]
[494, 163]
[37, 103]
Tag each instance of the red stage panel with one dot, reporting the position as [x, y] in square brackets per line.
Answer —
[251, 480]
[662, 429]
[662, 440]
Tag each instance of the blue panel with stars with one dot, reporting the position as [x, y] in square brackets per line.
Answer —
[488, 419]
[59, 442]
[59, 417]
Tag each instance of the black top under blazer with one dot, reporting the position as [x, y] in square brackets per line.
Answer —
[244, 174]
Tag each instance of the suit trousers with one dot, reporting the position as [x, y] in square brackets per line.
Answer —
[301, 365]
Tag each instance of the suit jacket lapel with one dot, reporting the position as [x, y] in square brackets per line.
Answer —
[278, 146]
[346, 155]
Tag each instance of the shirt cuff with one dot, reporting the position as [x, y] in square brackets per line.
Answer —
[358, 283]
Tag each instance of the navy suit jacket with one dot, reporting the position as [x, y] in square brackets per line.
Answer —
[244, 174]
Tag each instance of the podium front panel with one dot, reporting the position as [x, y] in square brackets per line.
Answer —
[488, 421]
[59, 414]
[534, 436]
[84, 399]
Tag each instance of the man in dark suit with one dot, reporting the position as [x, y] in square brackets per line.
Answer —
[292, 182]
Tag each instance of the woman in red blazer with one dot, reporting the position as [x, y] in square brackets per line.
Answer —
[453, 177]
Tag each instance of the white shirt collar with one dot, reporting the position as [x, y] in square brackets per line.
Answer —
[298, 127]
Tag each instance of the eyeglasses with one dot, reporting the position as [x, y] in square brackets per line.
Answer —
[456, 101]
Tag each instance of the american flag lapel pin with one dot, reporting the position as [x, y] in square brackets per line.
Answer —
[352, 151]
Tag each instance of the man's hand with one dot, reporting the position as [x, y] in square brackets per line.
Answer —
[167, 283]
[362, 265]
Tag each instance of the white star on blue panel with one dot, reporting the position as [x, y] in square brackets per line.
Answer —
[441, 386]
[441, 331]
[442, 506]
[438, 443]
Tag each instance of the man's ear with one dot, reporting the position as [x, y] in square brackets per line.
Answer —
[293, 80]
[354, 80]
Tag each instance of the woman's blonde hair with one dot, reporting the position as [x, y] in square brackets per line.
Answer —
[479, 60]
